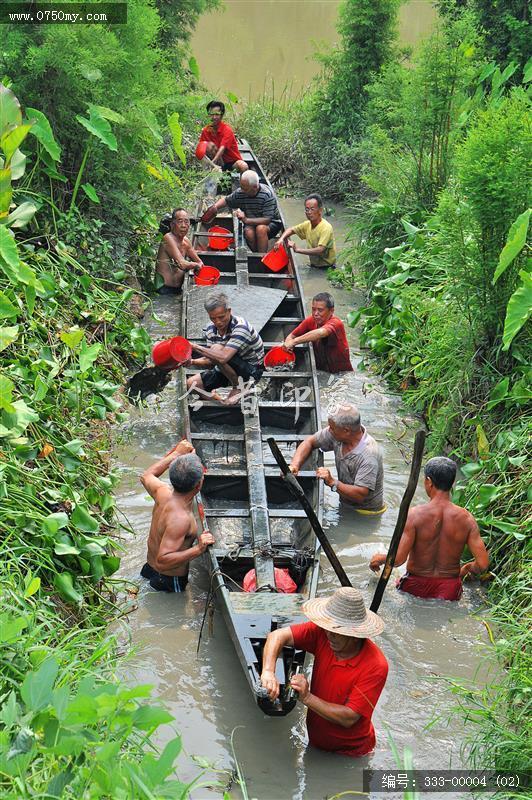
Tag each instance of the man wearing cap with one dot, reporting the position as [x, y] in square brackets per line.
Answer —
[434, 539]
[358, 460]
[348, 675]
[327, 334]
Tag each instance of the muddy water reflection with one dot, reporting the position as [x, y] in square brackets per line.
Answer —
[209, 696]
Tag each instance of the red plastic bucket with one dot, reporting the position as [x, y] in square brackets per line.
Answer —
[201, 149]
[207, 276]
[276, 260]
[219, 238]
[276, 357]
[171, 353]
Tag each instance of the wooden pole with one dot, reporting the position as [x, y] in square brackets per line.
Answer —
[298, 492]
[419, 446]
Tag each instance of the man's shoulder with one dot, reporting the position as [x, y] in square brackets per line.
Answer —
[375, 658]
[325, 225]
[372, 449]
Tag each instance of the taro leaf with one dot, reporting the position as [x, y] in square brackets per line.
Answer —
[353, 317]
[64, 583]
[64, 549]
[7, 309]
[100, 128]
[151, 121]
[74, 448]
[471, 469]
[232, 97]
[83, 521]
[409, 228]
[6, 192]
[32, 585]
[10, 113]
[6, 393]
[54, 522]
[8, 247]
[148, 718]
[43, 133]
[30, 294]
[88, 355]
[110, 564]
[90, 191]
[177, 136]
[193, 67]
[10, 628]
[97, 570]
[518, 310]
[527, 71]
[23, 743]
[498, 393]
[72, 338]
[106, 113]
[22, 215]
[18, 165]
[37, 687]
[14, 423]
[11, 141]
[514, 243]
[487, 493]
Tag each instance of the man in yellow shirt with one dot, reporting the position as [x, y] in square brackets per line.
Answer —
[318, 234]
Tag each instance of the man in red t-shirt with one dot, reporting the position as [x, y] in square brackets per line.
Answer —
[349, 671]
[327, 334]
[222, 147]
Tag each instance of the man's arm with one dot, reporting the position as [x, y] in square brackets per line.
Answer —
[309, 251]
[311, 336]
[354, 493]
[175, 253]
[285, 234]
[302, 453]
[213, 210]
[193, 255]
[253, 221]
[150, 477]
[216, 353]
[405, 546]
[170, 556]
[274, 644]
[478, 551]
[333, 712]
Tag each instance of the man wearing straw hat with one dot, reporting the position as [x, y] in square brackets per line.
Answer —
[349, 670]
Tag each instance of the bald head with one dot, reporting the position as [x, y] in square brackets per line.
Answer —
[347, 416]
[249, 182]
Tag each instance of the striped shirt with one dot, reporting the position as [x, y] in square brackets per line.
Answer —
[242, 337]
[263, 204]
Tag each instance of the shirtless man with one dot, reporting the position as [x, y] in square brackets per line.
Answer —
[173, 525]
[176, 254]
[434, 539]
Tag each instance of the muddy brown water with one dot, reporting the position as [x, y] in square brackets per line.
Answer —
[209, 696]
[256, 47]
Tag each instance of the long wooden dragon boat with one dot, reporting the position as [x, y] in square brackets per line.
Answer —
[256, 522]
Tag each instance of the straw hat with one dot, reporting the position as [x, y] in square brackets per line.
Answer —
[344, 613]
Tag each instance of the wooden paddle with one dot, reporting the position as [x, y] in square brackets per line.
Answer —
[298, 492]
[419, 446]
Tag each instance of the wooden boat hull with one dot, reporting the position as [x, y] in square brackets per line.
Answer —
[256, 522]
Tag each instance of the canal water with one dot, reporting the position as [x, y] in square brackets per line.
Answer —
[424, 641]
[263, 47]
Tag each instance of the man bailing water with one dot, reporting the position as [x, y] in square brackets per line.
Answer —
[173, 528]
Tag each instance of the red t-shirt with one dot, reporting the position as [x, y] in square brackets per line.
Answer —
[331, 352]
[354, 682]
[225, 137]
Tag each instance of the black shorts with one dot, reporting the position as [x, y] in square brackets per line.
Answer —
[274, 228]
[228, 166]
[164, 583]
[215, 379]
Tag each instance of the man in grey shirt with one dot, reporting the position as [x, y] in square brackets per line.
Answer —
[358, 460]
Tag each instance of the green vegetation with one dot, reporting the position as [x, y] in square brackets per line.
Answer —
[433, 157]
[68, 275]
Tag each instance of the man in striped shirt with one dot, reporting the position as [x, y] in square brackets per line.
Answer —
[235, 352]
[257, 209]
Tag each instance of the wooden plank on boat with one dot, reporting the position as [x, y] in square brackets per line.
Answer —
[253, 303]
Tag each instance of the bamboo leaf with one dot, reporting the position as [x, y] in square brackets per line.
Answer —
[177, 136]
[514, 243]
[518, 310]
[193, 67]
[43, 133]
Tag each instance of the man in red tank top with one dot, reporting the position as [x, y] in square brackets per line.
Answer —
[222, 147]
[327, 334]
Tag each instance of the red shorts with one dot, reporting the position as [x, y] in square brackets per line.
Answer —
[438, 588]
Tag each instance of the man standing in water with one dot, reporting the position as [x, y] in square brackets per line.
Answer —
[176, 255]
[327, 334]
[434, 539]
[318, 233]
[173, 525]
[348, 675]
